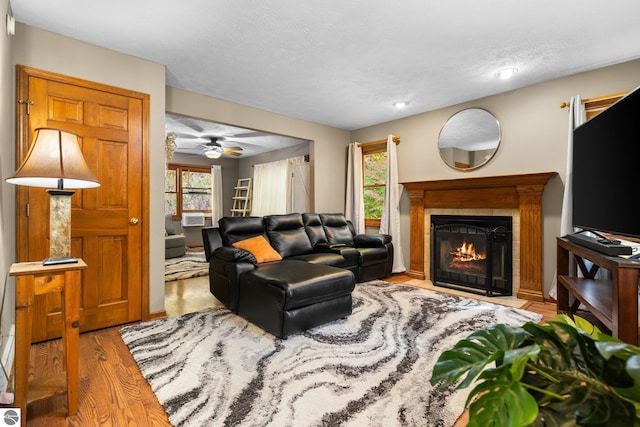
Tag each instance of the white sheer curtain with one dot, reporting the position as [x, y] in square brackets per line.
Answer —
[291, 182]
[354, 203]
[390, 221]
[216, 194]
[272, 187]
[301, 192]
[577, 116]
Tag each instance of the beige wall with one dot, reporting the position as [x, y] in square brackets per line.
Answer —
[534, 138]
[51, 52]
[7, 166]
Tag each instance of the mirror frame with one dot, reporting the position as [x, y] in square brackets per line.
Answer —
[490, 119]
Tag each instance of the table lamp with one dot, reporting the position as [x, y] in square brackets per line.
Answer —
[55, 161]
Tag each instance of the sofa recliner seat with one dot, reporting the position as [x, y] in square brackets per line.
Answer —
[310, 285]
[374, 251]
[175, 243]
[291, 296]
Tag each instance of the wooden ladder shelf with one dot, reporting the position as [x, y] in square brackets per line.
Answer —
[242, 198]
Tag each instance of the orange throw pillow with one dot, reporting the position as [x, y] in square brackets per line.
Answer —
[260, 248]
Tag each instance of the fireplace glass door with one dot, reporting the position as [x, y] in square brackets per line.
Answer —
[472, 253]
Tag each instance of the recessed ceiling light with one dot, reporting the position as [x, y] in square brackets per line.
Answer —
[505, 73]
[400, 104]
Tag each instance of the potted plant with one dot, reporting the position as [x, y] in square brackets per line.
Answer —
[562, 373]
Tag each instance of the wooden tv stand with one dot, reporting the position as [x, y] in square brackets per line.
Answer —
[613, 302]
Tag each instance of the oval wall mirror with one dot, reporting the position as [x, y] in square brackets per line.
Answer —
[469, 139]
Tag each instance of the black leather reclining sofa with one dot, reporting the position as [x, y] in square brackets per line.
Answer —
[322, 259]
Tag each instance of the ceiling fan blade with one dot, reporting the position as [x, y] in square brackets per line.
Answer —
[189, 144]
[230, 153]
[191, 123]
[234, 148]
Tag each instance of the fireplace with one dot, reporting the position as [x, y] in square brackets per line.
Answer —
[520, 192]
[472, 253]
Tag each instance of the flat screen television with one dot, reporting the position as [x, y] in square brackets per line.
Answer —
[606, 169]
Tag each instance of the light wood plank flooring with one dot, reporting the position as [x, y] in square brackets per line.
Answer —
[112, 390]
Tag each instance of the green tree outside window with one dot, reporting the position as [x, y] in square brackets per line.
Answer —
[187, 189]
[375, 176]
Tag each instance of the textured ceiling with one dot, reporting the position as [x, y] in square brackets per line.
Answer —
[343, 63]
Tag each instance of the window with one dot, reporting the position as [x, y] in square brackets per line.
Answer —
[595, 106]
[187, 189]
[374, 175]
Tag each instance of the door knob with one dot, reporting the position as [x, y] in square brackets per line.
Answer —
[133, 221]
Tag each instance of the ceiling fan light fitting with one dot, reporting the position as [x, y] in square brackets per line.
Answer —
[213, 154]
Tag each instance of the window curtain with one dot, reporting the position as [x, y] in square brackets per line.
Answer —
[390, 221]
[216, 194]
[354, 203]
[300, 191]
[271, 185]
[577, 116]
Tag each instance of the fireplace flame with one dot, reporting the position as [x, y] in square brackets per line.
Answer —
[467, 252]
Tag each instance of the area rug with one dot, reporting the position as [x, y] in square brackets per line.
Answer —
[212, 368]
[192, 264]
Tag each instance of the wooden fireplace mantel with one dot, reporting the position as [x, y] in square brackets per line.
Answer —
[522, 192]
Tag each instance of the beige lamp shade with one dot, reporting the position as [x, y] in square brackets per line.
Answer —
[54, 160]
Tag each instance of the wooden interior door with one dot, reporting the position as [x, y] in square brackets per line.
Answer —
[107, 223]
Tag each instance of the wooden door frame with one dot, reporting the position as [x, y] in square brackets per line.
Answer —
[23, 73]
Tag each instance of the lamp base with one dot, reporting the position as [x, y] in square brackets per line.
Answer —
[60, 226]
[56, 261]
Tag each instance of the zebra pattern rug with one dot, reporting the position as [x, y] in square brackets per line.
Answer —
[193, 264]
[213, 368]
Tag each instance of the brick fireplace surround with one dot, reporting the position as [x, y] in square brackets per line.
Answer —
[521, 192]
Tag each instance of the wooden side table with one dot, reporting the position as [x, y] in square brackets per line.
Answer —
[32, 278]
[613, 302]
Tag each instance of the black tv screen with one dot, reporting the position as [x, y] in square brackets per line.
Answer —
[606, 169]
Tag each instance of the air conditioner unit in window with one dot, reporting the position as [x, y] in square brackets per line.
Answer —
[195, 219]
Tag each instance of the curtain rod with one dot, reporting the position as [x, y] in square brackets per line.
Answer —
[597, 98]
[396, 139]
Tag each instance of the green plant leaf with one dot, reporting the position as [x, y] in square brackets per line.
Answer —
[610, 348]
[453, 364]
[471, 355]
[562, 373]
[557, 354]
[502, 403]
[586, 326]
[633, 367]
[518, 359]
[587, 405]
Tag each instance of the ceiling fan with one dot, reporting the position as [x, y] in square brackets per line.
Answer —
[213, 149]
[211, 145]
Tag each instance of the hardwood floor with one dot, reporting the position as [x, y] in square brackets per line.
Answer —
[112, 390]
[187, 296]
